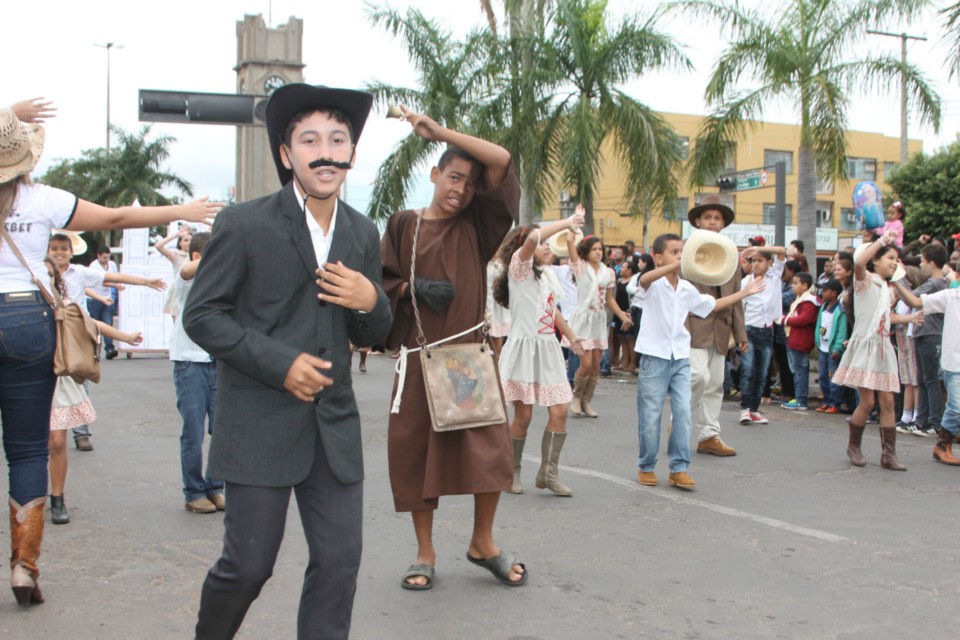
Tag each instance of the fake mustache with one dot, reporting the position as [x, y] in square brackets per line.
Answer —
[328, 163]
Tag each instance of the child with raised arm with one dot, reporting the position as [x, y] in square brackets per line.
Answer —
[869, 363]
[531, 363]
[664, 348]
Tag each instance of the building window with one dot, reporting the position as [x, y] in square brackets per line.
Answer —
[770, 213]
[824, 214]
[771, 158]
[888, 168]
[679, 210]
[684, 147]
[848, 220]
[862, 168]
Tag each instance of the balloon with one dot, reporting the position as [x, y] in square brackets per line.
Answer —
[868, 206]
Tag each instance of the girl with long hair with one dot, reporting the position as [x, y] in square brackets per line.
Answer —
[595, 286]
[531, 363]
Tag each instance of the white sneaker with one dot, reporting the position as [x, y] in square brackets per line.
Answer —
[745, 416]
[758, 418]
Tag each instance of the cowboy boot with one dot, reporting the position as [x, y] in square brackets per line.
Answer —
[548, 476]
[888, 441]
[853, 448]
[26, 531]
[517, 458]
[588, 392]
[579, 383]
[943, 450]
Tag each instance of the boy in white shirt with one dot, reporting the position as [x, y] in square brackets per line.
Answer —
[664, 348]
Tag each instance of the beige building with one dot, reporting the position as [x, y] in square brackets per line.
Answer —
[871, 157]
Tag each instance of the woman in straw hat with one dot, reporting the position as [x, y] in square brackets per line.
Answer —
[595, 285]
[28, 213]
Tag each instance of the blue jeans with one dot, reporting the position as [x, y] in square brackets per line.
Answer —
[103, 313]
[754, 365]
[27, 342]
[800, 368]
[573, 363]
[657, 377]
[196, 385]
[832, 394]
[951, 416]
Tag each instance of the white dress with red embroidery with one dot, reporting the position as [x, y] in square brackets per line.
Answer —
[498, 316]
[71, 406]
[589, 319]
[531, 364]
[870, 361]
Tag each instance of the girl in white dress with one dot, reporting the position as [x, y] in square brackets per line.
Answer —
[177, 258]
[497, 316]
[870, 364]
[531, 363]
[595, 286]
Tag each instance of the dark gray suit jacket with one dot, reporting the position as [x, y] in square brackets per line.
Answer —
[254, 307]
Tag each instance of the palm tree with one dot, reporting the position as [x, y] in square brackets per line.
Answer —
[454, 78]
[802, 54]
[951, 20]
[590, 113]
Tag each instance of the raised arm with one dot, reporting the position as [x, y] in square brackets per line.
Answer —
[93, 217]
[650, 276]
[495, 158]
[530, 244]
[908, 296]
[164, 250]
[126, 278]
[860, 265]
[756, 286]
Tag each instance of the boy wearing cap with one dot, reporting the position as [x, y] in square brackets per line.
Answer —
[830, 334]
[286, 283]
[710, 339]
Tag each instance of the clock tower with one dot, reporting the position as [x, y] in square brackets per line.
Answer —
[266, 59]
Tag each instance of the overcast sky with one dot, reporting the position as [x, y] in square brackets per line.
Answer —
[48, 49]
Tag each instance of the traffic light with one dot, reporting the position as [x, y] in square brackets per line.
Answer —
[727, 183]
[197, 108]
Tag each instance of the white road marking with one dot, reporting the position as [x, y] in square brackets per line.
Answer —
[677, 497]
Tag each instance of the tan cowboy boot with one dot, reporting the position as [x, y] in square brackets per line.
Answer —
[588, 392]
[579, 383]
[548, 476]
[888, 441]
[943, 450]
[517, 459]
[853, 448]
[26, 531]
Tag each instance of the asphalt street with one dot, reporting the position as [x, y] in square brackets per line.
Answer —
[785, 540]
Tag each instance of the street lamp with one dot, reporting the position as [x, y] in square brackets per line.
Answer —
[108, 46]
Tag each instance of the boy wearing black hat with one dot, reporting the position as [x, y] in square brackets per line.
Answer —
[287, 282]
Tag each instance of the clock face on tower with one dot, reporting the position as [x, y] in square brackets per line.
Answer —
[272, 83]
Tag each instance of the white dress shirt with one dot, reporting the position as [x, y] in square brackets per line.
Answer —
[321, 241]
[762, 309]
[663, 333]
[947, 302]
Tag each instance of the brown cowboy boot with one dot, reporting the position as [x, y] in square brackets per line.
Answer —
[576, 406]
[888, 441]
[517, 459]
[943, 450]
[853, 448]
[26, 531]
[548, 477]
[588, 392]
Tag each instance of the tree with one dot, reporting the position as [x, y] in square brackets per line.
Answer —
[131, 170]
[929, 186]
[454, 78]
[591, 111]
[951, 24]
[802, 54]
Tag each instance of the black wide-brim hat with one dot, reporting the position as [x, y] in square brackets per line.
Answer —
[290, 99]
[711, 201]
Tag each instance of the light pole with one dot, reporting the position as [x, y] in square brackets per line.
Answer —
[108, 46]
[903, 85]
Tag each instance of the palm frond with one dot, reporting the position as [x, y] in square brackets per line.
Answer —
[722, 130]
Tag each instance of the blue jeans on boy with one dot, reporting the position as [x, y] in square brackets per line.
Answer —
[196, 385]
[27, 342]
[658, 376]
[754, 365]
[832, 394]
[800, 368]
[573, 363]
[103, 313]
[951, 415]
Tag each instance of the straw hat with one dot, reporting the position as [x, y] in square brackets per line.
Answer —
[79, 244]
[709, 258]
[558, 243]
[20, 146]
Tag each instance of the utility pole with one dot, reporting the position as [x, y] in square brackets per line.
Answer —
[903, 85]
[108, 46]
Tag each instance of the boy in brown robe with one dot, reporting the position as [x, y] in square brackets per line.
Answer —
[475, 202]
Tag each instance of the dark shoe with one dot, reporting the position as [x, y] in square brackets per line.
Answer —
[853, 447]
[888, 441]
[58, 510]
[501, 567]
[112, 353]
[83, 443]
[417, 571]
[200, 505]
